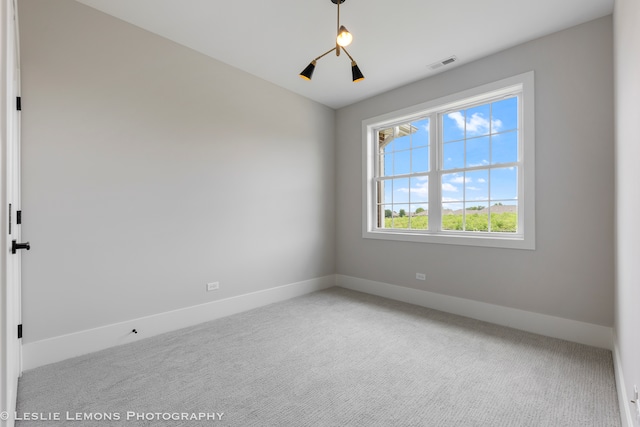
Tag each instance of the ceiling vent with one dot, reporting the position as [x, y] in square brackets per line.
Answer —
[442, 63]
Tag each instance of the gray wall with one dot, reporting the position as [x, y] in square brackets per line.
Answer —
[150, 170]
[627, 78]
[571, 272]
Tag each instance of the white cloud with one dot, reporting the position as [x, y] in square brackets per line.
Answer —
[421, 189]
[449, 187]
[482, 180]
[477, 124]
[458, 118]
[459, 179]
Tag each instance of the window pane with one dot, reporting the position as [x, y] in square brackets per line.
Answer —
[403, 141]
[452, 187]
[504, 184]
[402, 162]
[452, 216]
[505, 114]
[478, 121]
[477, 185]
[419, 189]
[420, 209]
[385, 216]
[400, 216]
[420, 137]
[477, 152]
[504, 218]
[419, 216]
[476, 217]
[453, 155]
[504, 147]
[420, 160]
[453, 126]
[386, 164]
[401, 190]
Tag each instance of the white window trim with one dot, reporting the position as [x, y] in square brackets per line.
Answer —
[526, 190]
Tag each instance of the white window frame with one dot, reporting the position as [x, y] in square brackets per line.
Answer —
[525, 237]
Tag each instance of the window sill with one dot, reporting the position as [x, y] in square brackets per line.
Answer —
[456, 238]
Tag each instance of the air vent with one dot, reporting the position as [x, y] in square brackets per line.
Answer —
[442, 63]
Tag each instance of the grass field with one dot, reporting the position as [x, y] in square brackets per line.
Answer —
[506, 222]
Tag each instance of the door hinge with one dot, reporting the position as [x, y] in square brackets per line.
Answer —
[19, 103]
[20, 331]
[18, 217]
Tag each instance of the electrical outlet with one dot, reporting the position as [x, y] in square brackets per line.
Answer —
[213, 286]
[421, 276]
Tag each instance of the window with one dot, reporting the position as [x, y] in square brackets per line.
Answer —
[457, 170]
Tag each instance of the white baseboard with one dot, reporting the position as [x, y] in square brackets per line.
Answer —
[63, 347]
[626, 417]
[556, 327]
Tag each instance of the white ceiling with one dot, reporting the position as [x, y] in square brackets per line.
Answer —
[394, 41]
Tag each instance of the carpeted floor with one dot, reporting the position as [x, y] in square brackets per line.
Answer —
[331, 358]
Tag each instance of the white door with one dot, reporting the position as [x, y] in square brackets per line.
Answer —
[10, 315]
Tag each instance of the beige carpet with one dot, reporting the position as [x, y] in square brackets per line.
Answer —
[331, 358]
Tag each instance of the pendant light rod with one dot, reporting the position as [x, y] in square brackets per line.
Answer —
[338, 26]
[338, 30]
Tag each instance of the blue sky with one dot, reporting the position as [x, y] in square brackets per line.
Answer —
[481, 136]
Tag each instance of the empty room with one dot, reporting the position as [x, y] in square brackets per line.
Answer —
[322, 213]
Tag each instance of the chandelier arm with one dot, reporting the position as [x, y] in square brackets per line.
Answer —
[345, 51]
[326, 53]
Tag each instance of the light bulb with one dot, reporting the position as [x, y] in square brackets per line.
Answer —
[344, 37]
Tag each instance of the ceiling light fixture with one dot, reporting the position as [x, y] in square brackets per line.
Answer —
[343, 39]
